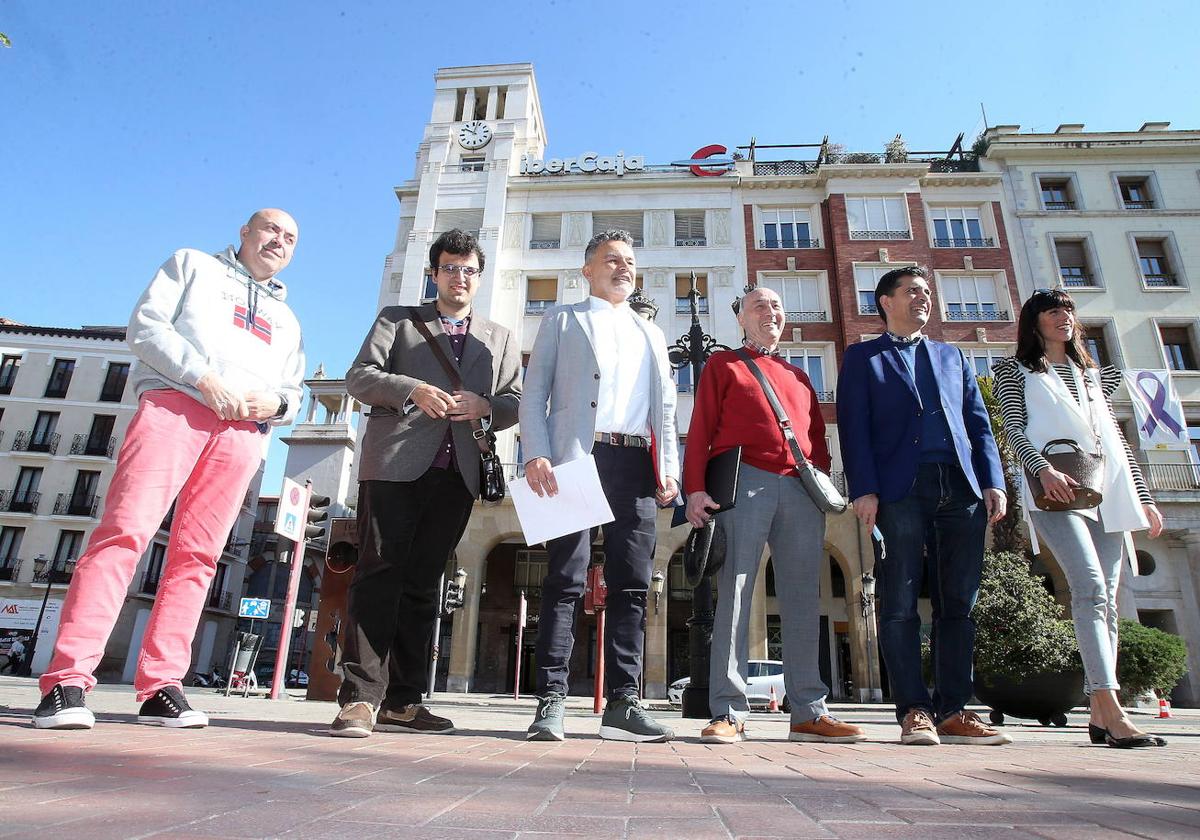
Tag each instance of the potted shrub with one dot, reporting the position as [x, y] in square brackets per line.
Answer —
[1026, 658]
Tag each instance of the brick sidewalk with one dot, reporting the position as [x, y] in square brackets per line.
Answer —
[250, 776]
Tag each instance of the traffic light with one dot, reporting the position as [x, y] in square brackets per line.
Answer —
[318, 512]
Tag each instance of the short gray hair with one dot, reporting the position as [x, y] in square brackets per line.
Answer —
[606, 236]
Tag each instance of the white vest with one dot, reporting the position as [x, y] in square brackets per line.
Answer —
[1052, 413]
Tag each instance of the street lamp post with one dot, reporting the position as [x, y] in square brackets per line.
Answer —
[867, 605]
[42, 569]
[450, 598]
[693, 349]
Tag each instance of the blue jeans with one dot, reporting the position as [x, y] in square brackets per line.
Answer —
[943, 511]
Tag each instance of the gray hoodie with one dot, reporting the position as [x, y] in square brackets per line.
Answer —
[204, 313]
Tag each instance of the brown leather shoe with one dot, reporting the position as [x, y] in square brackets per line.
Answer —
[723, 730]
[828, 730]
[968, 728]
[918, 730]
[354, 720]
[413, 718]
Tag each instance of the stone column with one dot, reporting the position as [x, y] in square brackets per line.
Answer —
[758, 613]
[654, 654]
[471, 555]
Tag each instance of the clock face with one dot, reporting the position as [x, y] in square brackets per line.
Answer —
[474, 135]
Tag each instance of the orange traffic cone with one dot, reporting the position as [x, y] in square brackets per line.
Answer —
[773, 704]
[1164, 708]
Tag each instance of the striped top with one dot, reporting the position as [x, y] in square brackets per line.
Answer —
[1010, 391]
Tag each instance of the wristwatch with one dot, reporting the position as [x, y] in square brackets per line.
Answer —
[283, 407]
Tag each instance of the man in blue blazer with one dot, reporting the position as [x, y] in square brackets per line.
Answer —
[599, 382]
[921, 463]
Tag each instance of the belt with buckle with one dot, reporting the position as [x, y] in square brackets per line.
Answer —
[618, 439]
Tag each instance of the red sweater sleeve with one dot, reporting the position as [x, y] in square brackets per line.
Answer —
[706, 409]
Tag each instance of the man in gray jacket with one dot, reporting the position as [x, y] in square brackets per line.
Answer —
[599, 383]
[418, 479]
[219, 360]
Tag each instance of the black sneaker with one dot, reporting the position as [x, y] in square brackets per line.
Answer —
[413, 718]
[548, 722]
[168, 707]
[625, 720]
[63, 708]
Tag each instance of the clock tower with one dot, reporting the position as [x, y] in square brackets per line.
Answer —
[483, 120]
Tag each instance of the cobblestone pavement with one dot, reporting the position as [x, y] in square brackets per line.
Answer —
[267, 769]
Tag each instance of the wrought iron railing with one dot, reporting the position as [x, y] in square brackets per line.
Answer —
[1059, 205]
[70, 504]
[1180, 477]
[20, 501]
[973, 242]
[690, 241]
[1076, 280]
[868, 309]
[683, 306]
[825, 396]
[881, 234]
[88, 445]
[964, 164]
[785, 167]
[543, 244]
[784, 244]
[537, 307]
[978, 315]
[805, 317]
[29, 440]
[220, 600]
[9, 566]
[1156, 281]
[1139, 205]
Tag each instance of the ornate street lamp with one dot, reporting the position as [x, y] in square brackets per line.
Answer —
[450, 598]
[656, 588]
[43, 570]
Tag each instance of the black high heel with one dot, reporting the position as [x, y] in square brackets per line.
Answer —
[1099, 735]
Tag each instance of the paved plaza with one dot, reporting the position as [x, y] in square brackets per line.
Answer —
[267, 769]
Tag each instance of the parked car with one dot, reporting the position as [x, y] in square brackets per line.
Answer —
[761, 674]
[265, 673]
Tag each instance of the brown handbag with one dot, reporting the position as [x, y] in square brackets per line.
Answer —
[1087, 468]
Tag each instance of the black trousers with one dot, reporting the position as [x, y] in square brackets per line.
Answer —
[627, 476]
[407, 531]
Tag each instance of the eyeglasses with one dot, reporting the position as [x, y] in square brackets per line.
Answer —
[467, 271]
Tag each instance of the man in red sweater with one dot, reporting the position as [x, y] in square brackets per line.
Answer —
[772, 508]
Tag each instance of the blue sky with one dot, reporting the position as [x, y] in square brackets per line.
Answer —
[133, 129]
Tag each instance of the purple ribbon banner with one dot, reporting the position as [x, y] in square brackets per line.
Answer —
[1157, 407]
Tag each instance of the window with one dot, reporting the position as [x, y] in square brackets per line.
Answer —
[812, 362]
[1057, 193]
[466, 220]
[26, 496]
[471, 163]
[99, 440]
[1096, 343]
[8, 373]
[216, 592]
[10, 551]
[1178, 347]
[683, 380]
[547, 228]
[1074, 267]
[631, 223]
[83, 496]
[530, 571]
[114, 382]
[866, 278]
[43, 438]
[970, 297]
[540, 295]
[683, 287]
[689, 228]
[1135, 192]
[981, 360]
[154, 567]
[786, 227]
[1155, 264]
[958, 227]
[428, 289]
[877, 218]
[60, 378]
[801, 297]
[69, 545]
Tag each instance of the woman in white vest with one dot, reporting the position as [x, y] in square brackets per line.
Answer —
[1052, 390]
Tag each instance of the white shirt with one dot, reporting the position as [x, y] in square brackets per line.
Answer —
[624, 358]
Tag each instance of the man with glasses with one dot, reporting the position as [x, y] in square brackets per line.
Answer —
[418, 474]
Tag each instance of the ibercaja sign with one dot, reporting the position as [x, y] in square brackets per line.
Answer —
[586, 164]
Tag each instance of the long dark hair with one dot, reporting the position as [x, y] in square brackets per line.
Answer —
[1031, 350]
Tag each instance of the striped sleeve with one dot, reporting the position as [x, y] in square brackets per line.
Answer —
[1110, 380]
[1010, 391]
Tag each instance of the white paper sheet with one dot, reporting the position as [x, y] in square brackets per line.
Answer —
[580, 503]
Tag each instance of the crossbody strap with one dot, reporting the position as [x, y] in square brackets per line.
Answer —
[785, 425]
[477, 431]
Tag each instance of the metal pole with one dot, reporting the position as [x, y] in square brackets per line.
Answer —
[437, 633]
[289, 603]
[522, 607]
[598, 685]
[27, 665]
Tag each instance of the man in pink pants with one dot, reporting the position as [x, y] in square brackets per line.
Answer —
[219, 361]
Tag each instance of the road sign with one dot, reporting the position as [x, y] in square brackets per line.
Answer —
[254, 608]
[293, 510]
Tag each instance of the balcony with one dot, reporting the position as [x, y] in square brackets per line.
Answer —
[70, 504]
[785, 167]
[890, 235]
[89, 445]
[20, 501]
[825, 396]
[1139, 205]
[9, 566]
[1172, 477]
[1077, 279]
[805, 317]
[1059, 205]
[150, 580]
[978, 315]
[537, 307]
[981, 242]
[220, 600]
[691, 241]
[1153, 281]
[33, 441]
[543, 244]
[868, 309]
[784, 244]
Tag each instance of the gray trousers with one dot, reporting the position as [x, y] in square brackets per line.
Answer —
[771, 510]
[1091, 559]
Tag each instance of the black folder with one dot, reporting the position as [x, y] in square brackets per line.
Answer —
[721, 477]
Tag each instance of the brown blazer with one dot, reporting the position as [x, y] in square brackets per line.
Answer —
[395, 359]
